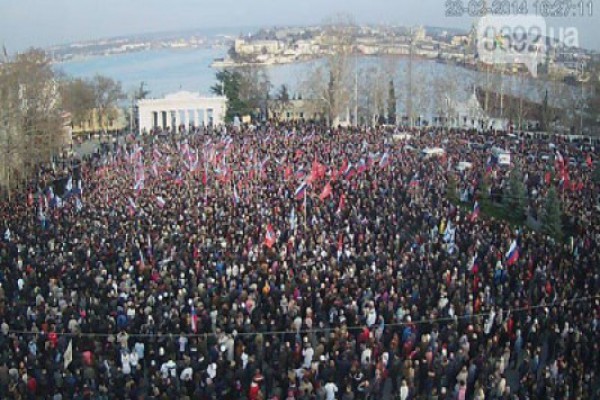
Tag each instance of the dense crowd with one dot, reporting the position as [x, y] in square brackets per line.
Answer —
[301, 262]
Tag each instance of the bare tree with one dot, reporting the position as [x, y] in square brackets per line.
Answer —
[330, 85]
[417, 102]
[31, 121]
[108, 92]
[445, 90]
[78, 97]
[374, 94]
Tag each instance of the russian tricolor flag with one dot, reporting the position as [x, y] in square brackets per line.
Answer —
[300, 191]
[384, 161]
[160, 201]
[513, 253]
[194, 320]
[349, 172]
[131, 206]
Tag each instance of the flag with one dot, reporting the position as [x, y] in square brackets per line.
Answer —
[300, 173]
[7, 234]
[318, 170]
[547, 178]
[160, 201]
[139, 185]
[512, 255]
[50, 194]
[340, 243]
[287, 173]
[178, 179]
[344, 167]
[269, 236]
[68, 356]
[588, 160]
[349, 172]
[194, 319]
[414, 180]
[449, 233]
[300, 190]
[30, 199]
[385, 161]
[559, 159]
[326, 192]
[342, 203]
[78, 204]
[131, 206]
[362, 166]
[142, 261]
[473, 263]
[293, 219]
[236, 198]
[475, 212]
[69, 185]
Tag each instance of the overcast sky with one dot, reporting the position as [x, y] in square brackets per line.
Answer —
[26, 23]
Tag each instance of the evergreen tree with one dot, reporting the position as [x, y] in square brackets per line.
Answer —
[596, 174]
[391, 111]
[516, 195]
[551, 216]
[229, 84]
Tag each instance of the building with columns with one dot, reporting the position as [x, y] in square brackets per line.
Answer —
[181, 109]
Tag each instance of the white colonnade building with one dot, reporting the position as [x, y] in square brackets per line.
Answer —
[181, 109]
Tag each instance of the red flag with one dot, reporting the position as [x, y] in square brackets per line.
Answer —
[270, 236]
[342, 203]
[588, 160]
[340, 245]
[204, 178]
[547, 178]
[326, 192]
[287, 173]
[321, 170]
[344, 167]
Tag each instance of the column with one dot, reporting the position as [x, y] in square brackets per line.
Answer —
[191, 118]
[182, 118]
[177, 120]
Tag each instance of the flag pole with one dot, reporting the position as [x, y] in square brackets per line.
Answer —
[305, 214]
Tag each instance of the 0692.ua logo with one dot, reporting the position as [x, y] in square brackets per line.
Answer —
[519, 39]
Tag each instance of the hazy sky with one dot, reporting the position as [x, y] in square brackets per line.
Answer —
[25, 23]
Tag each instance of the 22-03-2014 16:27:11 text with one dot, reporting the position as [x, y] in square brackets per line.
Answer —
[544, 8]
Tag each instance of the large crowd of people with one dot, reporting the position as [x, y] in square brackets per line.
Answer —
[302, 262]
